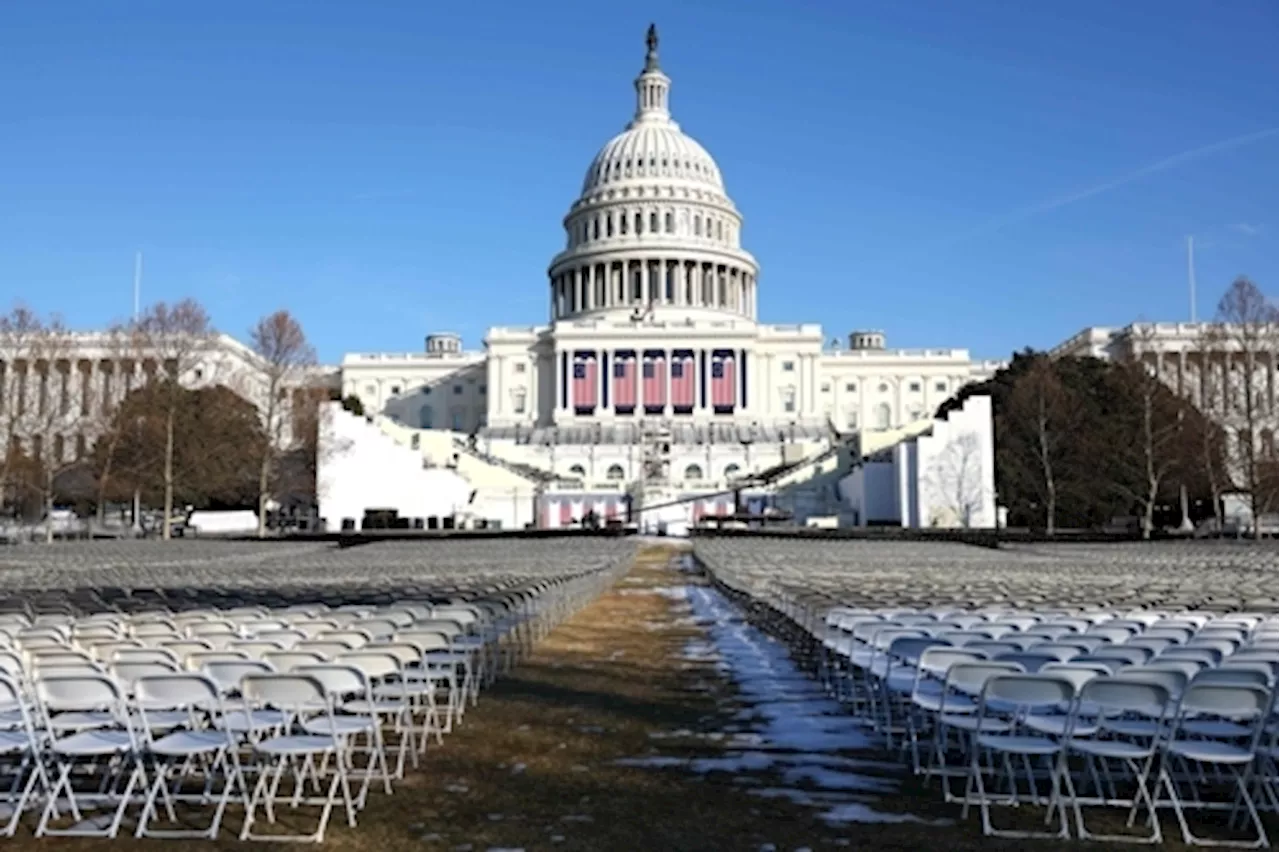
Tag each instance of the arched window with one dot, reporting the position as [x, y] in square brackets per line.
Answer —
[719, 229]
[882, 416]
[670, 223]
[697, 226]
[639, 223]
[731, 470]
[653, 222]
[426, 416]
[614, 472]
[693, 471]
[595, 229]
[637, 286]
[578, 471]
[608, 226]
[622, 224]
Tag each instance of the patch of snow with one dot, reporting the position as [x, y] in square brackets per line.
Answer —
[656, 761]
[861, 812]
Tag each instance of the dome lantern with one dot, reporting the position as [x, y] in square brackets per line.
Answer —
[652, 86]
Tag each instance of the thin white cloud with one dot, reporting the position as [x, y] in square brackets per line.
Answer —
[1246, 229]
[1051, 204]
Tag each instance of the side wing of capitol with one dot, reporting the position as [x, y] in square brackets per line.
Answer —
[652, 393]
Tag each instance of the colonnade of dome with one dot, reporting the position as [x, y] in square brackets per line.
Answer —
[653, 225]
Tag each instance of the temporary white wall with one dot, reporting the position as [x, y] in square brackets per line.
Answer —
[955, 469]
[943, 477]
[361, 468]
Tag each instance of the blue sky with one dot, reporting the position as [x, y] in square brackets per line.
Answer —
[979, 174]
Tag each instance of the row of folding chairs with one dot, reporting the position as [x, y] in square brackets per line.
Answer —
[102, 729]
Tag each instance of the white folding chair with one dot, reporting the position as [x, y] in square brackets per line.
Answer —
[1217, 727]
[20, 751]
[1118, 697]
[109, 743]
[298, 697]
[178, 751]
[1007, 699]
[348, 688]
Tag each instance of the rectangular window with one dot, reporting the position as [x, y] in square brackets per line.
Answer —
[648, 369]
[579, 371]
[619, 371]
[852, 419]
[717, 370]
[851, 387]
[395, 390]
[457, 390]
[517, 401]
[826, 387]
[520, 367]
[914, 387]
[788, 366]
[940, 387]
[677, 370]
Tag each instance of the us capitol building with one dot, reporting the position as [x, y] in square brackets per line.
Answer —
[653, 364]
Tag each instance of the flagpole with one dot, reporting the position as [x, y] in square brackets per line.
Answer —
[1191, 274]
[137, 284]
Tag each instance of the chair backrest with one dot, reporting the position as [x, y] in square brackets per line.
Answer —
[1232, 675]
[908, 649]
[128, 673]
[970, 678]
[1028, 691]
[287, 638]
[447, 626]
[327, 650]
[290, 692]
[1030, 661]
[12, 699]
[1079, 675]
[175, 691]
[375, 664]
[936, 661]
[196, 662]
[79, 692]
[1125, 694]
[424, 640]
[255, 648]
[1230, 701]
[227, 675]
[350, 637]
[338, 679]
[286, 661]
[1060, 651]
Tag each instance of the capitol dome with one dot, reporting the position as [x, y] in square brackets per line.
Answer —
[653, 227]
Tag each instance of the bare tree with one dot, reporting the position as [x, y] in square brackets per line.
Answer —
[955, 477]
[60, 408]
[280, 342]
[1248, 325]
[1207, 392]
[20, 334]
[1041, 410]
[1153, 452]
[124, 346]
[181, 339]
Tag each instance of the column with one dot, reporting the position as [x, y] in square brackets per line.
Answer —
[603, 366]
[562, 382]
[702, 401]
[666, 396]
[532, 403]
